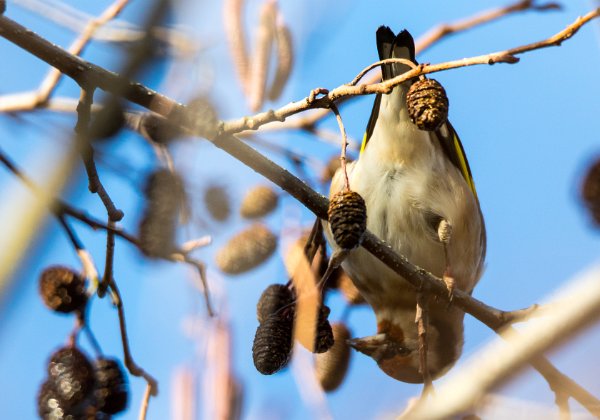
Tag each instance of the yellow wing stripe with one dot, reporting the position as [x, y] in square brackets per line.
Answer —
[463, 165]
[364, 143]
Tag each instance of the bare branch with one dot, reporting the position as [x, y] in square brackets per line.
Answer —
[83, 71]
[444, 30]
[577, 307]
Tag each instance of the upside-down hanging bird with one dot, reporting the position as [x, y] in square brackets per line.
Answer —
[416, 184]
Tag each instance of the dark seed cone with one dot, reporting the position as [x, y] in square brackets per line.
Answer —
[324, 339]
[217, 202]
[165, 195]
[319, 339]
[71, 375]
[246, 250]
[590, 191]
[275, 298]
[111, 391]
[348, 218]
[331, 366]
[159, 129]
[272, 345]
[427, 104]
[62, 289]
[258, 202]
[49, 406]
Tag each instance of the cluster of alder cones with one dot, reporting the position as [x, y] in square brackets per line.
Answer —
[76, 388]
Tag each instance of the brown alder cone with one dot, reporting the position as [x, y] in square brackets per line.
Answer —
[217, 202]
[259, 202]
[72, 376]
[348, 218]
[261, 58]
[274, 299]
[331, 366]
[62, 289]
[272, 345]
[165, 196]
[427, 104]
[590, 191]
[322, 337]
[247, 250]
[285, 58]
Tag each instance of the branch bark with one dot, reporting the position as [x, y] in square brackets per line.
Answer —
[89, 74]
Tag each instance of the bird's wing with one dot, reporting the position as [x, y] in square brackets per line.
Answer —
[450, 142]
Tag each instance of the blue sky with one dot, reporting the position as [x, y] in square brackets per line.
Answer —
[529, 131]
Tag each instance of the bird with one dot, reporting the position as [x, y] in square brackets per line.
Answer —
[416, 184]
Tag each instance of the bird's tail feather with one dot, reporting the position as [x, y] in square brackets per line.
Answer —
[390, 45]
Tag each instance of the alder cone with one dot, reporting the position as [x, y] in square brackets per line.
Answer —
[427, 104]
[159, 129]
[246, 250]
[62, 289]
[591, 191]
[272, 300]
[323, 338]
[72, 376]
[272, 345]
[259, 202]
[217, 202]
[111, 391]
[49, 406]
[331, 366]
[164, 198]
[348, 218]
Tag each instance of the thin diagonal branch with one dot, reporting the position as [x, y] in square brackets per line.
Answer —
[80, 70]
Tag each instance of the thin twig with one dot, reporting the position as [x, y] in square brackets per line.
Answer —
[145, 402]
[370, 67]
[116, 31]
[500, 360]
[338, 118]
[130, 364]
[40, 97]
[109, 262]
[309, 122]
[422, 321]
[75, 241]
[507, 56]
[78, 69]
[436, 34]
[87, 154]
[83, 71]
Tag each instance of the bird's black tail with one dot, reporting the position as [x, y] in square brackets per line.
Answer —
[390, 45]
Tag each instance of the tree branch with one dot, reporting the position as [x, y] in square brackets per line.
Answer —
[82, 71]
